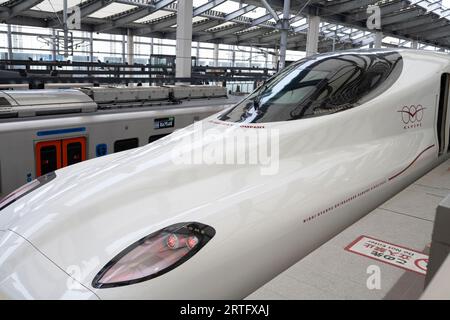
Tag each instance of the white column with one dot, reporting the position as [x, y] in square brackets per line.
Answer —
[312, 38]
[216, 55]
[124, 47]
[233, 57]
[378, 39]
[130, 47]
[415, 44]
[284, 32]
[184, 39]
[275, 59]
[197, 51]
[91, 46]
[10, 43]
[151, 46]
[66, 30]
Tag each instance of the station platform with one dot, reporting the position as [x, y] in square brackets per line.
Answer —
[332, 272]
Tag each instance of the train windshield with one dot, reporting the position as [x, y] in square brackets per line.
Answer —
[319, 85]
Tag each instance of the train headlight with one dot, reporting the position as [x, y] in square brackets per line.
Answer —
[27, 188]
[154, 255]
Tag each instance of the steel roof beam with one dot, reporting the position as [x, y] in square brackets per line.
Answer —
[18, 8]
[86, 9]
[221, 33]
[412, 23]
[207, 6]
[400, 17]
[239, 12]
[204, 25]
[429, 26]
[344, 6]
[270, 9]
[160, 25]
[261, 19]
[252, 34]
[93, 6]
[384, 10]
[133, 15]
[442, 32]
[138, 3]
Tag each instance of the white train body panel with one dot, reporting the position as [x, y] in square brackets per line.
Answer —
[333, 170]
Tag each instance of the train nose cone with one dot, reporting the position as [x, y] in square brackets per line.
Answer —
[25, 273]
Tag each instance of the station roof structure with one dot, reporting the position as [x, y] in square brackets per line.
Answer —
[248, 22]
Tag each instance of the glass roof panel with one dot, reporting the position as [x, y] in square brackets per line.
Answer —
[54, 5]
[154, 15]
[220, 26]
[111, 9]
[198, 3]
[227, 7]
[256, 13]
[298, 23]
[197, 19]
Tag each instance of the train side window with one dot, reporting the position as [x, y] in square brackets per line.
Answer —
[442, 127]
[48, 157]
[318, 86]
[156, 137]
[74, 151]
[126, 144]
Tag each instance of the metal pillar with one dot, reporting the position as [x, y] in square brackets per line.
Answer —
[312, 38]
[271, 11]
[10, 45]
[91, 46]
[233, 57]
[334, 40]
[415, 44]
[378, 39]
[266, 59]
[151, 46]
[197, 51]
[275, 59]
[124, 50]
[54, 49]
[66, 30]
[184, 39]
[284, 33]
[216, 55]
[130, 48]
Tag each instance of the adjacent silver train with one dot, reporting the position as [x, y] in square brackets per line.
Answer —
[45, 130]
[350, 130]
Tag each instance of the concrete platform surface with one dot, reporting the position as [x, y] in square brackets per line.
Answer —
[331, 272]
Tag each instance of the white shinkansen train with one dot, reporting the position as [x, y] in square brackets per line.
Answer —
[45, 130]
[353, 129]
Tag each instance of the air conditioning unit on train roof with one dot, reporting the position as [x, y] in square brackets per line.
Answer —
[179, 91]
[127, 94]
[31, 103]
[197, 91]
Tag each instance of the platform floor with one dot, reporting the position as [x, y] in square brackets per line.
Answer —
[330, 272]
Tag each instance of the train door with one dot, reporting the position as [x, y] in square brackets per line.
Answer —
[73, 151]
[443, 119]
[48, 157]
[56, 154]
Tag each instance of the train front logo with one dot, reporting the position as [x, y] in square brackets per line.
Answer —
[412, 116]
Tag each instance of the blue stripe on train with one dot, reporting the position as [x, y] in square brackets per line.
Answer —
[60, 131]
